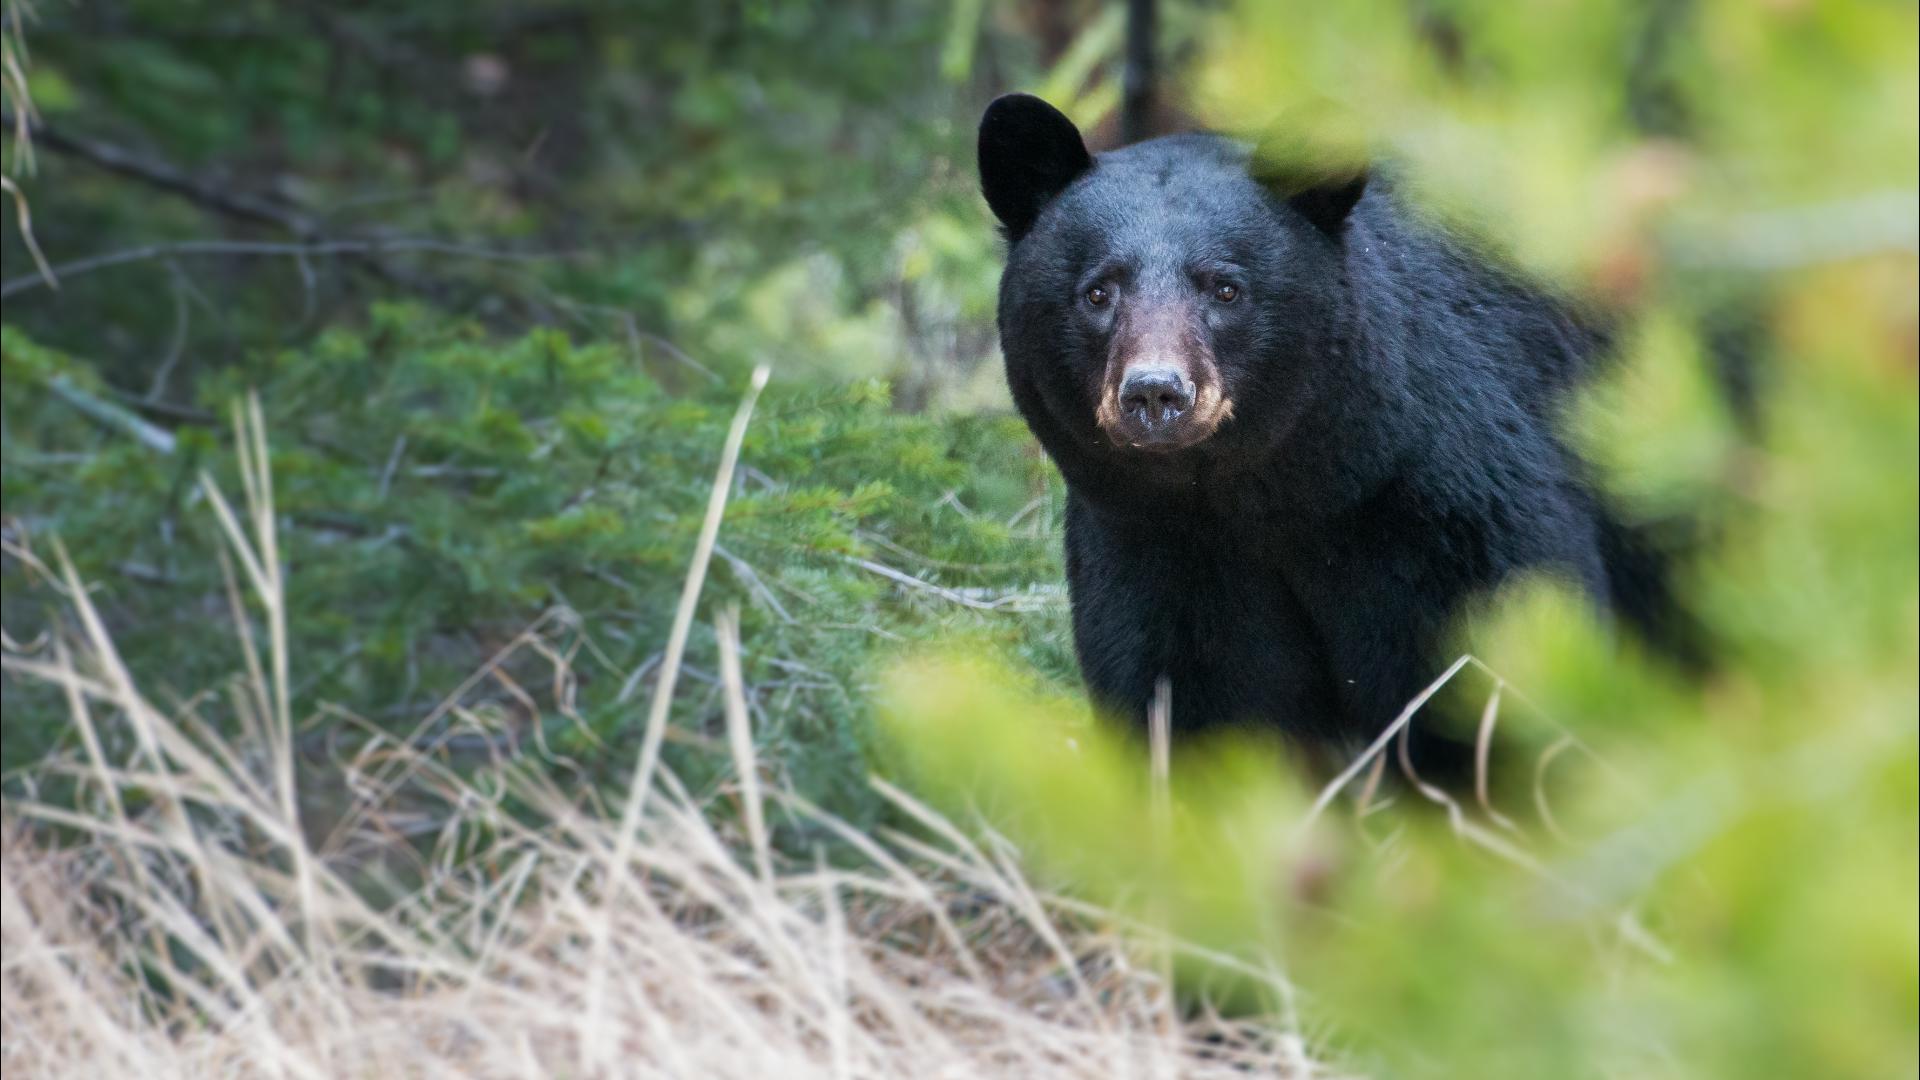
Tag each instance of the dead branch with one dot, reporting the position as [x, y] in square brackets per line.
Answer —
[159, 174]
[366, 248]
[396, 245]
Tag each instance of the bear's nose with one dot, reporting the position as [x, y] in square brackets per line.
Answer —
[1155, 395]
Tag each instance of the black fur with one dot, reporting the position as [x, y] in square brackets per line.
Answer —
[1029, 151]
[1391, 451]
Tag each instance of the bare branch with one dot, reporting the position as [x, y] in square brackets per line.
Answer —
[112, 415]
[159, 174]
[238, 205]
[1021, 600]
[395, 245]
[177, 343]
[25, 217]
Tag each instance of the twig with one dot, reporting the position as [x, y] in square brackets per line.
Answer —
[165, 410]
[159, 174]
[751, 577]
[113, 416]
[238, 205]
[393, 465]
[668, 347]
[1004, 602]
[1482, 758]
[1379, 743]
[270, 248]
[1540, 802]
[177, 342]
[1457, 817]
[24, 217]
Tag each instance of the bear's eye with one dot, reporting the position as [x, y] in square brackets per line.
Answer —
[1226, 293]
[1098, 296]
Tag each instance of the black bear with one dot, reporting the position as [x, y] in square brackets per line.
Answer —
[1298, 428]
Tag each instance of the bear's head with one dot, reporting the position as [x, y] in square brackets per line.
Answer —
[1159, 298]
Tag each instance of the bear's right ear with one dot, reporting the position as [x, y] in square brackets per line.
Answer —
[1315, 158]
[1029, 152]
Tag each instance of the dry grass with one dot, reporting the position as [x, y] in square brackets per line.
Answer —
[186, 922]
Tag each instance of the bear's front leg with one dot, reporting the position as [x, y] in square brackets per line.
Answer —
[1125, 585]
[1189, 600]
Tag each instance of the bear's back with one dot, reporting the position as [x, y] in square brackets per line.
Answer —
[1454, 303]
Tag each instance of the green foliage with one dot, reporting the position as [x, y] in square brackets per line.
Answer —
[439, 490]
[1589, 138]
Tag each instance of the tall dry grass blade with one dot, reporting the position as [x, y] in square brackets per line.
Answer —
[236, 536]
[1364, 805]
[103, 777]
[119, 686]
[689, 598]
[599, 1056]
[260, 710]
[259, 554]
[1025, 900]
[838, 1002]
[42, 956]
[89, 738]
[1160, 754]
[740, 740]
[911, 886]
[1160, 781]
[267, 535]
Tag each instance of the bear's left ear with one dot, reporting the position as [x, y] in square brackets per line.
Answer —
[1029, 152]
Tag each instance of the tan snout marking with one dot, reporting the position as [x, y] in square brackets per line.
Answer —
[1108, 415]
[1211, 407]
[1163, 335]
